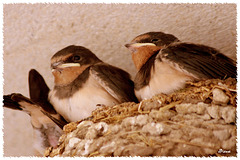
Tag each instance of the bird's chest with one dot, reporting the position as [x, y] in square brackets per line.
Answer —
[163, 79]
[82, 102]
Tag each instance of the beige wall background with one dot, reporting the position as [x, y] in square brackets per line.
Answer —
[34, 32]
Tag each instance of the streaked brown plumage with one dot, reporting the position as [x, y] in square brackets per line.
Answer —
[82, 81]
[46, 132]
[164, 63]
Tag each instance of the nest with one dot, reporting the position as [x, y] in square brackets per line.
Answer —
[199, 120]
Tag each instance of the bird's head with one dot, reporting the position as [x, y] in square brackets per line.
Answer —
[68, 63]
[145, 45]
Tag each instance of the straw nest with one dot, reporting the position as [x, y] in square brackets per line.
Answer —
[199, 120]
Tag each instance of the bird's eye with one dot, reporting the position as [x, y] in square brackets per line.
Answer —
[76, 58]
[154, 40]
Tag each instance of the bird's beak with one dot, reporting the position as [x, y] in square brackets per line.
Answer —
[139, 44]
[134, 46]
[61, 65]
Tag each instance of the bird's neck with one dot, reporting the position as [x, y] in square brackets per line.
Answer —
[68, 75]
[141, 56]
[142, 77]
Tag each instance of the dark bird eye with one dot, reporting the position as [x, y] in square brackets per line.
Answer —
[76, 58]
[154, 40]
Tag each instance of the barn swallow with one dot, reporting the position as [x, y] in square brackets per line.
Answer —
[83, 82]
[46, 130]
[164, 63]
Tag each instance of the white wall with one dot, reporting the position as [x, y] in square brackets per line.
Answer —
[33, 33]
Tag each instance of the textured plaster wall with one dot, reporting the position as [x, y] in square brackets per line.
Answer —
[33, 33]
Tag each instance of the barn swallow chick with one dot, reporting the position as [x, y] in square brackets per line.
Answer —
[164, 63]
[45, 131]
[83, 81]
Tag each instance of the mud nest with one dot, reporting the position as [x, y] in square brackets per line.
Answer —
[199, 120]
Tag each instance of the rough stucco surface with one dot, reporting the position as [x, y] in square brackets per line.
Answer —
[33, 33]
